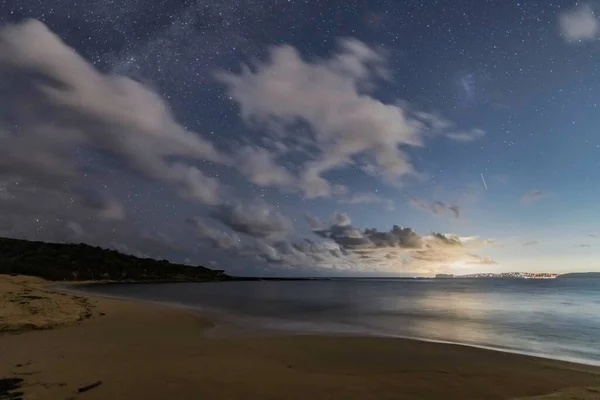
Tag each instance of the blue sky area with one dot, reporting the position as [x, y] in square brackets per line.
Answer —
[306, 138]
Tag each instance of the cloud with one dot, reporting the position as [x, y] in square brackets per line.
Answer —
[533, 196]
[369, 198]
[579, 24]
[256, 220]
[58, 104]
[216, 238]
[341, 219]
[60, 119]
[342, 246]
[583, 245]
[467, 136]
[531, 243]
[53, 215]
[331, 98]
[436, 207]
[478, 260]
[436, 125]
[303, 253]
[313, 222]
[261, 168]
[402, 249]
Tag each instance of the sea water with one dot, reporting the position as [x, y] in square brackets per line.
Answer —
[555, 318]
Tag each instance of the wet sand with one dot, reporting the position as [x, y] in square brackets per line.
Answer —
[133, 350]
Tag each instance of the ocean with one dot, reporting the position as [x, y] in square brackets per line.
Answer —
[555, 318]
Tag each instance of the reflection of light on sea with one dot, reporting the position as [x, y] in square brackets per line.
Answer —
[455, 317]
[455, 305]
[454, 331]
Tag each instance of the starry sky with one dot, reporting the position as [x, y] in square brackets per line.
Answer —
[295, 138]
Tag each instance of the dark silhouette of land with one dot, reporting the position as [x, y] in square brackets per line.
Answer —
[580, 275]
[81, 262]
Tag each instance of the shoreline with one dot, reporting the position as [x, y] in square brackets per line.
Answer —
[217, 317]
[133, 349]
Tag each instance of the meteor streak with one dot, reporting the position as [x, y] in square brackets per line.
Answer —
[483, 180]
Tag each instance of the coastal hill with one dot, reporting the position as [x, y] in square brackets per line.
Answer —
[580, 275]
[77, 262]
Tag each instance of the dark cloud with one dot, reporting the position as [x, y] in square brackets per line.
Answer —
[531, 243]
[213, 236]
[401, 249]
[72, 218]
[342, 232]
[302, 253]
[344, 247]
[396, 237]
[257, 220]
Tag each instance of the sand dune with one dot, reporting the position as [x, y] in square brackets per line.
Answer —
[26, 303]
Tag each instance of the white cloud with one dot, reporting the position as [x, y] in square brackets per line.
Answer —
[58, 110]
[579, 23]
[467, 136]
[330, 96]
[260, 167]
[58, 102]
[436, 125]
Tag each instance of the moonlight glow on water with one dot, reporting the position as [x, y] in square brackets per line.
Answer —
[562, 322]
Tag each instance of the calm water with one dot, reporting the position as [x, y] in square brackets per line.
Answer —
[553, 318]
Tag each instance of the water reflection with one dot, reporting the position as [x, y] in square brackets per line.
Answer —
[558, 318]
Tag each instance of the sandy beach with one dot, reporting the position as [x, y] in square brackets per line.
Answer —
[62, 346]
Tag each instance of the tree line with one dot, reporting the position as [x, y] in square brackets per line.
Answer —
[76, 262]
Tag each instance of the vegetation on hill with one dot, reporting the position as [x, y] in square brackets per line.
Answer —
[76, 262]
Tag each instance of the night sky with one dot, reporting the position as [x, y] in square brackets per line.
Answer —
[306, 138]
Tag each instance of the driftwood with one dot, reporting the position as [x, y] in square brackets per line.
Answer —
[89, 387]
